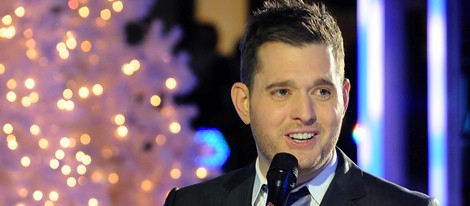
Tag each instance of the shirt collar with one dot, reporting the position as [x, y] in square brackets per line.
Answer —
[317, 186]
[258, 193]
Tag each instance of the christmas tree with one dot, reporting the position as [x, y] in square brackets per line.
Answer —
[86, 117]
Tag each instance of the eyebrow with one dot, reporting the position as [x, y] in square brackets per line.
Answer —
[280, 84]
[324, 81]
[317, 82]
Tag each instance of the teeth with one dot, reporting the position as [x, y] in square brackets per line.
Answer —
[301, 136]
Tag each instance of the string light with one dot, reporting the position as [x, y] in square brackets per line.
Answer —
[61, 48]
[11, 84]
[117, 6]
[175, 127]
[25, 161]
[20, 11]
[7, 20]
[83, 92]
[73, 4]
[155, 100]
[33, 97]
[84, 12]
[97, 89]
[85, 139]
[85, 46]
[69, 105]
[54, 196]
[11, 96]
[43, 143]
[60, 154]
[93, 202]
[29, 83]
[67, 93]
[160, 139]
[135, 64]
[66, 170]
[31, 54]
[11, 137]
[79, 155]
[146, 185]
[54, 164]
[25, 101]
[122, 132]
[113, 178]
[175, 173]
[12, 144]
[64, 142]
[131, 67]
[97, 176]
[105, 14]
[82, 180]
[201, 172]
[22, 192]
[8, 128]
[119, 119]
[86, 160]
[37, 195]
[30, 43]
[171, 83]
[34, 129]
[7, 32]
[71, 43]
[71, 182]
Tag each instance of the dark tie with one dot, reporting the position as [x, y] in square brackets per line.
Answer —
[293, 197]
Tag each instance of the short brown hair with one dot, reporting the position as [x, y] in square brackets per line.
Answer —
[292, 22]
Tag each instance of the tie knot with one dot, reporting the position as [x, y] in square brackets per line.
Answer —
[294, 196]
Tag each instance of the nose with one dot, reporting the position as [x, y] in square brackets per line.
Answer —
[303, 109]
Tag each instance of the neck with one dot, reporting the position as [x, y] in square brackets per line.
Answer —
[307, 174]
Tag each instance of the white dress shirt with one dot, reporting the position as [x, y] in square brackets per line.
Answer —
[316, 186]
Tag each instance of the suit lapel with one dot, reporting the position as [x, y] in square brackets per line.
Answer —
[240, 187]
[347, 185]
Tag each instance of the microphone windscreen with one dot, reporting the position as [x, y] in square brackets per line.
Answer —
[286, 162]
[281, 177]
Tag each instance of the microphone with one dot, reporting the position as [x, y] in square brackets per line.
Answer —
[282, 177]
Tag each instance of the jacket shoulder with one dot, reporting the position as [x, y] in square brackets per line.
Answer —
[353, 184]
[381, 190]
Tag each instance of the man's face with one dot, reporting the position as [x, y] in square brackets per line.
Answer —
[297, 104]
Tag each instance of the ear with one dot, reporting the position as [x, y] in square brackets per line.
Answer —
[241, 101]
[346, 89]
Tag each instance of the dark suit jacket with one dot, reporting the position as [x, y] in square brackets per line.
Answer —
[350, 186]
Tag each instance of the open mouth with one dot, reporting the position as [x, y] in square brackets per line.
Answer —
[301, 137]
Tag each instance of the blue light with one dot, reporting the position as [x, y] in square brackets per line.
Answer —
[437, 99]
[371, 85]
[215, 150]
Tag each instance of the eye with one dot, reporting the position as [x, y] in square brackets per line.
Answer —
[280, 92]
[323, 93]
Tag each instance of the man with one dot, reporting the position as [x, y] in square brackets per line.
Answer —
[294, 95]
